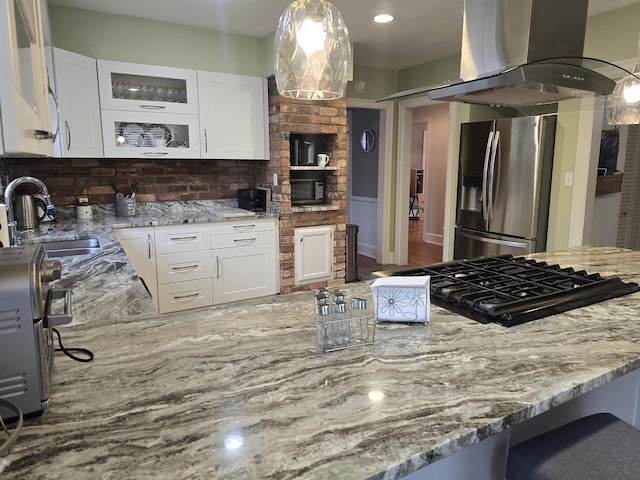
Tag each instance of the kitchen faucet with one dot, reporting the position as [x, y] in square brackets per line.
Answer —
[8, 193]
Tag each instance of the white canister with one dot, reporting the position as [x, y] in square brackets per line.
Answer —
[84, 212]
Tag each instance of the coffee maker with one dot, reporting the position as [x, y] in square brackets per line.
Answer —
[303, 151]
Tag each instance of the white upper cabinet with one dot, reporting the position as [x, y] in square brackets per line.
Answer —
[148, 111]
[149, 134]
[76, 86]
[233, 116]
[24, 106]
[147, 88]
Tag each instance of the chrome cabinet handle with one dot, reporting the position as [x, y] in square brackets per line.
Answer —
[252, 225]
[217, 266]
[155, 154]
[252, 239]
[68, 131]
[186, 267]
[206, 142]
[152, 107]
[149, 246]
[179, 239]
[185, 297]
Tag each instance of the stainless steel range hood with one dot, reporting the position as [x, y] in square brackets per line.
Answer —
[522, 53]
[528, 85]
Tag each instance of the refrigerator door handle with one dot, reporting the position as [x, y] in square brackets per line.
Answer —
[493, 175]
[495, 241]
[485, 174]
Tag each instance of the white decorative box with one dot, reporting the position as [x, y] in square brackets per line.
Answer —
[401, 299]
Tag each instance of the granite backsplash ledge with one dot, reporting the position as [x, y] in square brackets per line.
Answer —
[158, 180]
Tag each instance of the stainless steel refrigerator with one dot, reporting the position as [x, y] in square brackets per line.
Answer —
[504, 183]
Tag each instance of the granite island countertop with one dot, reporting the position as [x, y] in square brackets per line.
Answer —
[239, 391]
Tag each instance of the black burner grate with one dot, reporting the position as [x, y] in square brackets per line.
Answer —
[513, 290]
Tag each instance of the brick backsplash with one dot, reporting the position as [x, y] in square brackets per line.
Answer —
[158, 180]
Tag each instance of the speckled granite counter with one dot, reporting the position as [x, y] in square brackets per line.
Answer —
[240, 392]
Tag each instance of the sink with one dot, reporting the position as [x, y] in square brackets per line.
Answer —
[87, 245]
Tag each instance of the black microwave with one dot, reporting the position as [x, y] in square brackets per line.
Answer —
[307, 191]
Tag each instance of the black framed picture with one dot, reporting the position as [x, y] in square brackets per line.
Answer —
[609, 145]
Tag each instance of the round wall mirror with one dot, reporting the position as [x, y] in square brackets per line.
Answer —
[367, 140]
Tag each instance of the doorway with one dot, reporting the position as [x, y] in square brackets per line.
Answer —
[369, 190]
[422, 158]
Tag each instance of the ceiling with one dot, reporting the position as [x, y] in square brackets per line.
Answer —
[423, 30]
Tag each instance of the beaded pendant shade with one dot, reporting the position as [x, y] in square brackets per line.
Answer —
[311, 51]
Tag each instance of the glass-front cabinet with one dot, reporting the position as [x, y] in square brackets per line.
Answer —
[148, 111]
[149, 88]
[24, 104]
[149, 135]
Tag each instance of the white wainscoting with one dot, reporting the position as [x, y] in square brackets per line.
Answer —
[363, 212]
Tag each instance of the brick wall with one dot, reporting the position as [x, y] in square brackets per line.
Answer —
[287, 116]
[159, 180]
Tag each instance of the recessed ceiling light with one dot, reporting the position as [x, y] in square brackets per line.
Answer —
[383, 18]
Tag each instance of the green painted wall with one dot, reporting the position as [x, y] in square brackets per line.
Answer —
[432, 73]
[561, 198]
[128, 39]
[378, 83]
[613, 36]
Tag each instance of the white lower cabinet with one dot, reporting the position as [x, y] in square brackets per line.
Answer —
[245, 257]
[180, 267]
[174, 297]
[199, 265]
[139, 245]
[313, 253]
[183, 265]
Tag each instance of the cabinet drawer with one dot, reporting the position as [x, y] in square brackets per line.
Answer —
[174, 297]
[179, 267]
[243, 239]
[244, 226]
[170, 239]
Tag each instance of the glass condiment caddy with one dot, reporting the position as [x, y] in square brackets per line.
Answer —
[339, 326]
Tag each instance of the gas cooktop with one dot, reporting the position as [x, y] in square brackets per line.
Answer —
[513, 290]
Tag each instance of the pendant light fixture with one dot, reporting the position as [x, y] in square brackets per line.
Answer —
[623, 105]
[311, 51]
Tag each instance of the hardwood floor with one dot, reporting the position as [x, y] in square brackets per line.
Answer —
[420, 253]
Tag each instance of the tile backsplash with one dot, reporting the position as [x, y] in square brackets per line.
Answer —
[158, 180]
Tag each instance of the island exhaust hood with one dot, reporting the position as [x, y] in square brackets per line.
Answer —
[521, 54]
